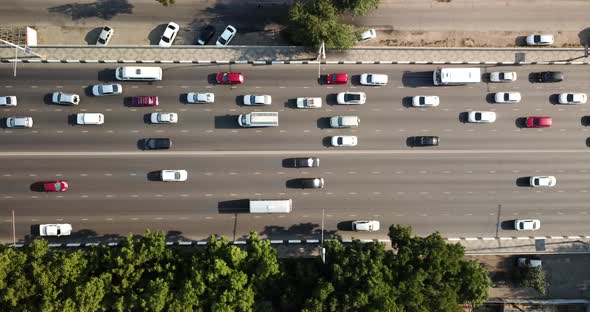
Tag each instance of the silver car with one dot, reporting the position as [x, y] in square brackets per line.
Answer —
[65, 98]
[8, 100]
[107, 89]
[19, 122]
[252, 99]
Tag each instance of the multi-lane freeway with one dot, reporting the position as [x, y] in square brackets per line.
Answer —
[470, 185]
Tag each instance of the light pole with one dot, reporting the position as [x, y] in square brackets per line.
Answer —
[27, 50]
[321, 55]
[322, 249]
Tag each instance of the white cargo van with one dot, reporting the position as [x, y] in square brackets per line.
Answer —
[270, 205]
[344, 121]
[90, 119]
[138, 73]
[259, 119]
[456, 76]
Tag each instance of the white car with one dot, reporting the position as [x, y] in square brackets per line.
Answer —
[344, 140]
[507, 97]
[425, 101]
[527, 224]
[55, 229]
[252, 99]
[65, 98]
[159, 118]
[374, 79]
[8, 100]
[542, 181]
[311, 102]
[502, 76]
[366, 226]
[199, 97]
[105, 36]
[573, 98]
[173, 175]
[351, 98]
[368, 35]
[19, 122]
[169, 35]
[227, 35]
[539, 40]
[107, 89]
[481, 117]
[89, 119]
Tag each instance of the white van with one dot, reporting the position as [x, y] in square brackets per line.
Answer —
[90, 119]
[270, 206]
[138, 73]
[344, 121]
[259, 119]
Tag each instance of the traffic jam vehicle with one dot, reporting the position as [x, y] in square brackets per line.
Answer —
[230, 78]
[538, 122]
[337, 78]
[311, 102]
[144, 101]
[55, 186]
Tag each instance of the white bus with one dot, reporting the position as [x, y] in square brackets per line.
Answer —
[271, 205]
[456, 76]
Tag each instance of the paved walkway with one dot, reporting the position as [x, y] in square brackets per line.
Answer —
[285, 53]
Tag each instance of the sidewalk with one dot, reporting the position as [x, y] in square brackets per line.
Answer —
[281, 54]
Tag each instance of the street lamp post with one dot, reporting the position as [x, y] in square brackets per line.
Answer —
[27, 50]
[322, 249]
[321, 55]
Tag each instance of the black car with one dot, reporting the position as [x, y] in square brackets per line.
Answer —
[157, 143]
[548, 76]
[423, 141]
[206, 35]
[315, 183]
[307, 162]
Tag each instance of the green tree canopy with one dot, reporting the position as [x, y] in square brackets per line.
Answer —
[356, 7]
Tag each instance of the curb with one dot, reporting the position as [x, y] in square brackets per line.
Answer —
[316, 241]
[268, 62]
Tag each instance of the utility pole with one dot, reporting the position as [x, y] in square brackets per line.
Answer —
[322, 249]
[26, 49]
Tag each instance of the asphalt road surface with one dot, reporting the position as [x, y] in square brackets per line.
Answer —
[473, 184]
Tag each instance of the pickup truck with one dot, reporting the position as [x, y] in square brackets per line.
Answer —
[310, 102]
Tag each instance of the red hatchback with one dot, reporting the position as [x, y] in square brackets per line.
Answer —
[230, 78]
[55, 186]
[338, 78]
[144, 100]
[538, 122]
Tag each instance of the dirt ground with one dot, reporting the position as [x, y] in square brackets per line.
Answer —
[394, 38]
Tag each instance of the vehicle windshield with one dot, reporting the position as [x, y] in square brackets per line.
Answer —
[352, 97]
[570, 97]
[57, 186]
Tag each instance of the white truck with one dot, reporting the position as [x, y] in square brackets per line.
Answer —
[259, 119]
[271, 206]
[310, 102]
[55, 229]
[456, 76]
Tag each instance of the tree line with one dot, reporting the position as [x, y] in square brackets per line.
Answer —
[143, 274]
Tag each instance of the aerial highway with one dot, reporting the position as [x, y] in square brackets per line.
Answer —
[473, 184]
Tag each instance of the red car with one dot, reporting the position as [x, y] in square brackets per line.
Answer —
[538, 122]
[338, 78]
[144, 101]
[55, 186]
[230, 78]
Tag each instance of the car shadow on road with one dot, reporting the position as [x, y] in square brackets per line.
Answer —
[226, 122]
[585, 121]
[106, 75]
[156, 33]
[554, 99]
[72, 119]
[344, 225]
[154, 176]
[520, 122]
[293, 184]
[92, 36]
[490, 98]
[523, 182]
[463, 117]
[417, 79]
[147, 118]
[327, 141]
[520, 41]
[234, 206]
[332, 99]
[407, 102]
[47, 98]
[507, 225]
[588, 142]
[36, 187]
[212, 79]
[323, 122]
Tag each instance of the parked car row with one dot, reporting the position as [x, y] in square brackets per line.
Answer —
[171, 31]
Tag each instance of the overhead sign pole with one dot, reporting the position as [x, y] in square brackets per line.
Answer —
[26, 49]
